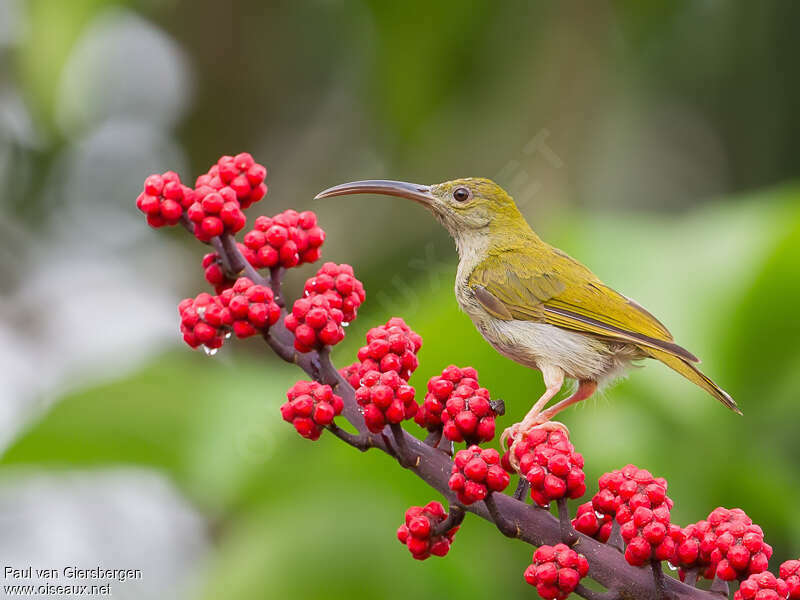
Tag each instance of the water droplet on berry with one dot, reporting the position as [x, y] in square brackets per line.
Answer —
[201, 311]
[599, 515]
[672, 567]
[228, 335]
[345, 323]
[210, 351]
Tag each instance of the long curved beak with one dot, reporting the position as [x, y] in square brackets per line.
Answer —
[386, 187]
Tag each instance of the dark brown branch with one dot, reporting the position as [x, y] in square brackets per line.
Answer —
[360, 442]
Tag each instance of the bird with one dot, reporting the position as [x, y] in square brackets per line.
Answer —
[535, 304]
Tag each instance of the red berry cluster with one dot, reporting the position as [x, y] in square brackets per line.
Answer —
[476, 473]
[215, 212]
[390, 347]
[697, 543]
[164, 199]
[556, 571]
[310, 407]
[762, 586]
[418, 532]
[641, 506]
[549, 462]
[622, 491]
[726, 544]
[252, 307]
[285, 240]
[315, 323]
[339, 285]
[204, 321]
[588, 522]
[241, 173]
[457, 403]
[649, 535]
[385, 398]
[790, 573]
[215, 274]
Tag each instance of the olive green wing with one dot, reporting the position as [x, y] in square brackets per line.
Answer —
[543, 284]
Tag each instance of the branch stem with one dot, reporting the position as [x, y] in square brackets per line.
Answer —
[568, 534]
[506, 527]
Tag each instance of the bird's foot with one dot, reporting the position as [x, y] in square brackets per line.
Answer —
[517, 432]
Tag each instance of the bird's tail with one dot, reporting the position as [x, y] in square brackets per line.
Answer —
[694, 375]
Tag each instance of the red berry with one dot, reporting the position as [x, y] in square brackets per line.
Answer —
[338, 284]
[588, 522]
[215, 210]
[390, 348]
[252, 307]
[640, 504]
[727, 544]
[310, 407]
[315, 323]
[476, 473]
[385, 398]
[762, 586]
[282, 240]
[790, 573]
[417, 533]
[164, 199]
[205, 321]
[537, 452]
[241, 174]
[556, 571]
[457, 403]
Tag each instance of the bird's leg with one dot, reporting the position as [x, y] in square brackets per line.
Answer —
[586, 388]
[553, 381]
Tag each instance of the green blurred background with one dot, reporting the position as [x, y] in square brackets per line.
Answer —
[656, 142]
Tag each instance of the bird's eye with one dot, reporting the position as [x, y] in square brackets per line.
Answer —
[461, 194]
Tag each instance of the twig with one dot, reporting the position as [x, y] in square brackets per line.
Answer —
[284, 351]
[275, 279]
[691, 576]
[719, 586]
[357, 441]
[522, 488]
[615, 538]
[506, 527]
[568, 534]
[433, 438]
[454, 519]
[658, 578]
[404, 454]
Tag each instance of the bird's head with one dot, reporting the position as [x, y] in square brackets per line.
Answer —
[466, 207]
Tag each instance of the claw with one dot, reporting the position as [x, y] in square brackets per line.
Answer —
[517, 432]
